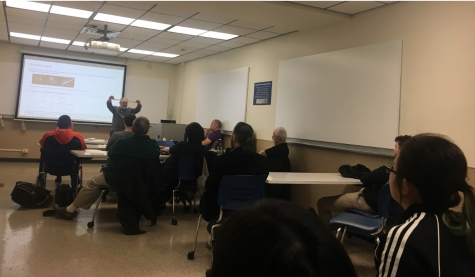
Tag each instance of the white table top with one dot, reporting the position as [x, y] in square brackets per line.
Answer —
[102, 154]
[95, 141]
[96, 146]
[310, 178]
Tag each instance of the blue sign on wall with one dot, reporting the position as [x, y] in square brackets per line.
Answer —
[262, 93]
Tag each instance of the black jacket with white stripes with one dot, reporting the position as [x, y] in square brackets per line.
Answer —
[423, 246]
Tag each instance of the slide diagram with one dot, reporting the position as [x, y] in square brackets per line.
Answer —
[51, 80]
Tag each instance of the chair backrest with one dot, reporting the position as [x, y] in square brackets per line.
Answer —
[383, 201]
[58, 155]
[189, 167]
[238, 192]
[166, 143]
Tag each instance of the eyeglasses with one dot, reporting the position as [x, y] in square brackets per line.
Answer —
[389, 168]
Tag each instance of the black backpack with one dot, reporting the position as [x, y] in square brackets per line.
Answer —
[64, 195]
[355, 171]
[29, 195]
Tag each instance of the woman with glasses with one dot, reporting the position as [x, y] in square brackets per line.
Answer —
[427, 178]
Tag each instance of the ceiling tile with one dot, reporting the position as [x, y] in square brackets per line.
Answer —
[53, 45]
[67, 19]
[355, 7]
[230, 44]
[132, 55]
[206, 16]
[125, 42]
[280, 30]
[209, 41]
[235, 30]
[177, 50]
[162, 18]
[134, 36]
[150, 46]
[217, 48]
[79, 49]
[25, 28]
[173, 61]
[139, 5]
[64, 26]
[164, 40]
[245, 40]
[24, 41]
[25, 20]
[193, 44]
[318, 4]
[121, 11]
[206, 52]
[110, 26]
[199, 24]
[3, 36]
[263, 35]
[142, 31]
[81, 5]
[250, 25]
[26, 13]
[155, 59]
[174, 8]
[174, 36]
[3, 28]
[59, 33]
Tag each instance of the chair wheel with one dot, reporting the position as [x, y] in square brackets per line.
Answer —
[174, 222]
[191, 255]
[195, 210]
[90, 224]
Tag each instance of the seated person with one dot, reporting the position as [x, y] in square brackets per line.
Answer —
[128, 121]
[278, 238]
[242, 160]
[365, 199]
[213, 133]
[62, 137]
[279, 154]
[122, 156]
[192, 147]
[427, 178]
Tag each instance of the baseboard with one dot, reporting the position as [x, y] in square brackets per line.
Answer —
[26, 160]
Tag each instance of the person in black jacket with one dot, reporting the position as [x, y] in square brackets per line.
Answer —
[278, 155]
[427, 177]
[242, 160]
[365, 199]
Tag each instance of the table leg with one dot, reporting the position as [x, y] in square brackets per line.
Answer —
[74, 176]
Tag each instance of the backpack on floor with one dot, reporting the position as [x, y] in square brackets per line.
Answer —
[29, 195]
[64, 195]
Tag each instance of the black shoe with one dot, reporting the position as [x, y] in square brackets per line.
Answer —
[58, 179]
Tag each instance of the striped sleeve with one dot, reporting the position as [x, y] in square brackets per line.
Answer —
[395, 244]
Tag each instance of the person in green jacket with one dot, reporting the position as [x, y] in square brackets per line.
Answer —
[122, 156]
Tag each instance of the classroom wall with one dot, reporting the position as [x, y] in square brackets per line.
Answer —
[12, 137]
[436, 88]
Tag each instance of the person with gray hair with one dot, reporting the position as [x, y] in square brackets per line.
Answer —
[279, 154]
[123, 155]
[213, 133]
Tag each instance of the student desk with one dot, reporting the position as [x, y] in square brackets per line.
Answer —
[310, 178]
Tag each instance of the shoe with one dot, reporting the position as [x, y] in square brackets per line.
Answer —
[63, 213]
[58, 179]
[208, 245]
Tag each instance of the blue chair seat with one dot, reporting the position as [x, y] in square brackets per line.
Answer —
[363, 213]
[357, 224]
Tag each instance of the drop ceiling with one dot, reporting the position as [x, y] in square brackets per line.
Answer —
[251, 22]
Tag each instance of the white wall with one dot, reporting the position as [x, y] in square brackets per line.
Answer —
[437, 67]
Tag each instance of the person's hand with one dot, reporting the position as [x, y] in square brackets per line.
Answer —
[138, 101]
[162, 147]
[111, 98]
[262, 152]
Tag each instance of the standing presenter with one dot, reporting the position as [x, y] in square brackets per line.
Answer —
[119, 112]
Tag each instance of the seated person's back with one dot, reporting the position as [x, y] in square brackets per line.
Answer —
[241, 161]
[128, 121]
[279, 154]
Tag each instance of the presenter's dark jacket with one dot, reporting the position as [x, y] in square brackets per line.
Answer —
[63, 137]
[423, 246]
[124, 154]
[279, 158]
[236, 162]
[118, 114]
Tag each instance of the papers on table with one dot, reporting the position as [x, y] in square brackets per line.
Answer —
[95, 141]
[99, 146]
[95, 152]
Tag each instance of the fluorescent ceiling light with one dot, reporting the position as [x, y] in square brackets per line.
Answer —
[113, 18]
[39, 7]
[55, 40]
[123, 49]
[150, 25]
[20, 35]
[77, 43]
[143, 52]
[218, 35]
[70, 12]
[165, 55]
[187, 31]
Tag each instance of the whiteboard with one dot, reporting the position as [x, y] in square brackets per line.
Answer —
[9, 76]
[222, 96]
[349, 96]
[152, 93]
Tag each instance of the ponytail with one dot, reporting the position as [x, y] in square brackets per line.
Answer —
[463, 224]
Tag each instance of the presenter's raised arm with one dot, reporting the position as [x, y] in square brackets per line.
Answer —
[138, 108]
[109, 104]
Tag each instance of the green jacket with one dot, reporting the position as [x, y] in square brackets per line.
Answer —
[124, 153]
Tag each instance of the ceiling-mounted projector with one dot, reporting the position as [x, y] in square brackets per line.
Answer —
[102, 42]
[94, 44]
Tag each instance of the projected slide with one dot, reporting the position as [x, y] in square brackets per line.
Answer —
[51, 87]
